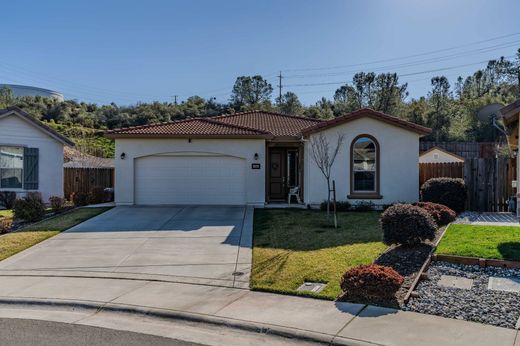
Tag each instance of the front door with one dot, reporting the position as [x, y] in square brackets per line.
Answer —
[277, 174]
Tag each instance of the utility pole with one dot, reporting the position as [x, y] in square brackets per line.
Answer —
[175, 99]
[280, 88]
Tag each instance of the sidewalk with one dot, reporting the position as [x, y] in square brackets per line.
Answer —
[156, 307]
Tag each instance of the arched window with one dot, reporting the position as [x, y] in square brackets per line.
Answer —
[364, 167]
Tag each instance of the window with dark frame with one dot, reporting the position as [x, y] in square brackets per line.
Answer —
[11, 167]
[364, 165]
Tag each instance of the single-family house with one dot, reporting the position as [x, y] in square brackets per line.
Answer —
[256, 157]
[31, 155]
[439, 155]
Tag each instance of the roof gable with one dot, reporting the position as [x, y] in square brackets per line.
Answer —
[193, 127]
[15, 111]
[370, 113]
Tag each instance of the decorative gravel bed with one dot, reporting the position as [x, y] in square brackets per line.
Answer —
[477, 304]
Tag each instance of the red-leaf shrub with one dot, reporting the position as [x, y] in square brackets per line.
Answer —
[5, 224]
[407, 224]
[451, 192]
[97, 195]
[442, 215]
[371, 281]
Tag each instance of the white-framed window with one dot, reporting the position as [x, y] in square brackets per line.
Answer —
[365, 161]
[11, 167]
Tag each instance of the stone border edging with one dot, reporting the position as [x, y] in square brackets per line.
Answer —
[424, 267]
[482, 262]
[163, 314]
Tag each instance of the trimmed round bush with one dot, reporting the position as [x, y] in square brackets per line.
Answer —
[29, 208]
[407, 224]
[371, 281]
[442, 215]
[451, 192]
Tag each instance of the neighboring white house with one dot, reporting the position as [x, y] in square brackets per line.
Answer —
[439, 155]
[256, 157]
[31, 155]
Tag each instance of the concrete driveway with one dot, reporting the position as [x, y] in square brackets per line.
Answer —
[192, 244]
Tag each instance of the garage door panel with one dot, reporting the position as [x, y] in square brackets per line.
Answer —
[189, 180]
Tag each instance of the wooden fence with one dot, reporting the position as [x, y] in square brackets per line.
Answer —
[85, 179]
[489, 180]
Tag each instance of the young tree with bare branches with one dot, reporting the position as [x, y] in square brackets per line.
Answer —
[324, 154]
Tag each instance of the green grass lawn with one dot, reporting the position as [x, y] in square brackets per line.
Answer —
[15, 242]
[293, 245]
[493, 242]
[6, 213]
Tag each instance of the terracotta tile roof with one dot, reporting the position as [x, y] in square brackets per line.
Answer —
[193, 127]
[367, 112]
[278, 124]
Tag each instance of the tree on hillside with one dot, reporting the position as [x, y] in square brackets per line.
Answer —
[290, 104]
[250, 91]
[439, 99]
[6, 97]
[388, 94]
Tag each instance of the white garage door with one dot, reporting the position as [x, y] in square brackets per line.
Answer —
[189, 180]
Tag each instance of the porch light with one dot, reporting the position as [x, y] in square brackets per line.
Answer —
[123, 155]
[256, 156]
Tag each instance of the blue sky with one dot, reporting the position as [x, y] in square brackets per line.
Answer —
[130, 51]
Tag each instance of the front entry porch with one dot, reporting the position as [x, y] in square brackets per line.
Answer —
[284, 172]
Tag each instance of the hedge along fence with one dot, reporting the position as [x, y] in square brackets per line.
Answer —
[85, 179]
[489, 180]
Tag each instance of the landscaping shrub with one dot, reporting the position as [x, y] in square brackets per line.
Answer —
[109, 194]
[30, 208]
[80, 199]
[451, 192]
[442, 215]
[56, 203]
[371, 281]
[5, 224]
[97, 195]
[340, 206]
[407, 224]
[7, 199]
[363, 206]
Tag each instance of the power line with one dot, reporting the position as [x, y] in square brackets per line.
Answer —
[404, 57]
[401, 75]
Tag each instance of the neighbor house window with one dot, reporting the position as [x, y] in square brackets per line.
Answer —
[11, 167]
[364, 173]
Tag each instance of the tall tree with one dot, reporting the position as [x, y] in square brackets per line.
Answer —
[249, 91]
[6, 97]
[290, 104]
[439, 99]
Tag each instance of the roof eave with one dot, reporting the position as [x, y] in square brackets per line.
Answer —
[185, 136]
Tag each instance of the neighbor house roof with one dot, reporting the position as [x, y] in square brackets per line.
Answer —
[369, 113]
[32, 120]
[74, 158]
[443, 150]
[511, 110]
[278, 124]
[194, 127]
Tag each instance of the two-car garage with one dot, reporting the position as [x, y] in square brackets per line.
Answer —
[190, 179]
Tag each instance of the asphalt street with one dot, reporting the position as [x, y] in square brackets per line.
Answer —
[21, 332]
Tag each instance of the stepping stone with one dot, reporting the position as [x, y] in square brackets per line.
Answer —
[315, 287]
[504, 284]
[455, 282]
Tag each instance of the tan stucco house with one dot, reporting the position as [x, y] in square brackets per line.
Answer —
[511, 115]
[257, 157]
[439, 155]
[31, 155]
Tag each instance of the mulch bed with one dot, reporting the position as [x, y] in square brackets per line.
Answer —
[405, 260]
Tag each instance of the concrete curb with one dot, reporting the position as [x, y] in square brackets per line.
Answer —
[173, 315]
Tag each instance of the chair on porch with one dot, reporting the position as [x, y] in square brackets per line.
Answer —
[294, 191]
